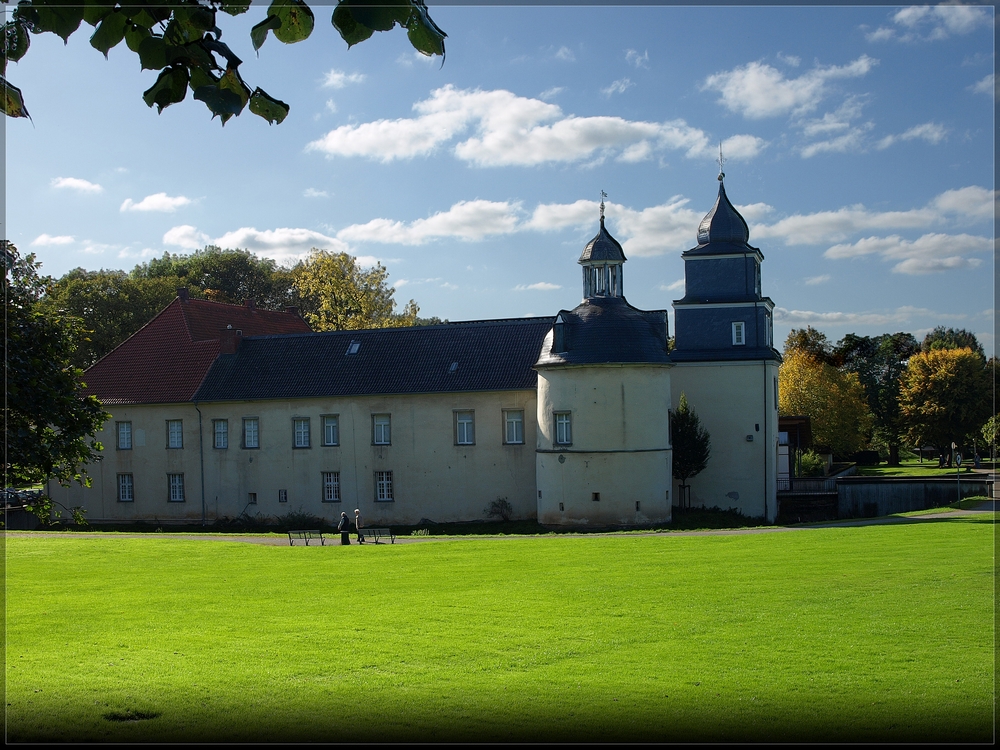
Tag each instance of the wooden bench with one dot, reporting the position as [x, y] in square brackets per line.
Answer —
[306, 535]
[375, 534]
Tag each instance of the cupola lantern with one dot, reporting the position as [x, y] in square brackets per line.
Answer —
[602, 261]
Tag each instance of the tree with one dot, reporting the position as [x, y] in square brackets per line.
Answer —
[812, 342]
[181, 39]
[50, 426]
[879, 361]
[691, 443]
[833, 400]
[335, 294]
[952, 338]
[945, 397]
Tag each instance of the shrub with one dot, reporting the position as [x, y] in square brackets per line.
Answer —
[812, 465]
[499, 508]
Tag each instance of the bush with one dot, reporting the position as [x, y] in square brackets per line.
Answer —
[499, 508]
[812, 465]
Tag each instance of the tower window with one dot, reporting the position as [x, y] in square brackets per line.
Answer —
[739, 333]
[564, 430]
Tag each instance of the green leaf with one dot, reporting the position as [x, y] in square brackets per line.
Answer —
[135, 35]
[14, 41]
[61, 20]
[109, 33]
[424, 34]
[222, 102]
[350, 30]
[258, 34]
[152, 53]
[193, 21]
[144, 18]
[170, 88]
[94, 11]
[201, 77]
[272, 110]
[190, 55]
[13, 102]
[231, 81]
[234, 7]
[379, 15]
[297, 20]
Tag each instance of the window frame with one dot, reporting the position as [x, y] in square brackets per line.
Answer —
[180, 434]
[122, 485]
[386, 431]
[330, 483]
[243, 440]
[464, 421]
[224, 434]
[507, 422]
[297, 422]
[251, 498]
[171, 487]
[739, 327]
[127, 424]
[282, 496]
[384, 490]
[562, 418]
[326, 420]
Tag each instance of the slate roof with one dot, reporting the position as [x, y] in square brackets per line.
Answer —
[488, 355]
[166, 360]
[723, 230]
[603, 247]
[604, 330]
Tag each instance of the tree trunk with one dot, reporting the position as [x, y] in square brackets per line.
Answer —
[893, 454]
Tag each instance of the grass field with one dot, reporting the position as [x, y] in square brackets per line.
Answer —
[882, 633]
[913, 467]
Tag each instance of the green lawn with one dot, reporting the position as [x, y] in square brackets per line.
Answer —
[881, 633]
[912, 467]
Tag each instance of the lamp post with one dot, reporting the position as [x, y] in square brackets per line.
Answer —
[958, 473]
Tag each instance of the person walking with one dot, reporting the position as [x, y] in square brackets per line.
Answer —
[344, 527]
[357, 526]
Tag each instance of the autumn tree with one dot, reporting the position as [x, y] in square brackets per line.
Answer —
[691, 443]
[833, 400]
[811, 342]
[182, 39]
[945, 397]
[952, 338]
[50, 426]
[334, 294]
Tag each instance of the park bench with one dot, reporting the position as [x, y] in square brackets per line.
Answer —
[306, 535]
[374, 534]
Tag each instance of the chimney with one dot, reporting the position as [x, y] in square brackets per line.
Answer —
[182, 293]
[292, 310]
[229, 340]
[251, 305]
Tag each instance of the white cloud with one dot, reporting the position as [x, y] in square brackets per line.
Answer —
[639, 61]
[677, 286]
[158, 202]
[75, 183]
[467, 220]
[986, 86]
[814, 280]
[974, 202]
[853, 140]
[565, 53]
[513, 130]
[757, 90]
[185, 236]
[550, 93]
[618, 87]
[314, 193]
[932, 22]
[282, 244]
[792, 60]
[331, 106]
[46, 239]
[928, 254]
[550, 216]
[657, 229]
[834, 122]
[929, 131]
[337, 79]
[540, 286]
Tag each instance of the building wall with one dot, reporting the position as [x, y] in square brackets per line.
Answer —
[620, 445]
[431, 476]
[734, 400]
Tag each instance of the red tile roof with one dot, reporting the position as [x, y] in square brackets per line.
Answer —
[166, 360]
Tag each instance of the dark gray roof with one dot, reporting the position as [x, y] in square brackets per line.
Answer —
[603, 247]
[490, 355]
[722, 225]
[607, 330]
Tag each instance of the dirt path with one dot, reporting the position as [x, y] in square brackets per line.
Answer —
[282, 540]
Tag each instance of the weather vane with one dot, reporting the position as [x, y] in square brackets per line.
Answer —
[603, 196]
[721, 160]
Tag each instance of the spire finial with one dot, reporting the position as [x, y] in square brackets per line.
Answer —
[721, 160]
[603, 196]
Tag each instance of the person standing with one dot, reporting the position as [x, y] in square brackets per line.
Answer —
[357, 526]
[344, 527]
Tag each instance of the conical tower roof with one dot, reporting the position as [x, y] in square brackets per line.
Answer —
[603, 248]
[723, 223]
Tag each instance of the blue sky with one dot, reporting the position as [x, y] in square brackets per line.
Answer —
[859, 147]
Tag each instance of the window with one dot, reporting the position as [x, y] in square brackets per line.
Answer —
[465, 428]
[282, 496]
[383, 486]
[175, 433]
[756, 286]
[124, 436]
[564, 430]
[768, 329]
[775, 394]
[301, 429]
[354, 347]
[739, 338]
[331, 486]
[251, 433]
[176, 482]
[221, 429]
[125, 491]
[595, 496]
[251, 498]
[380, 429]
[513, 427]
[331, 430]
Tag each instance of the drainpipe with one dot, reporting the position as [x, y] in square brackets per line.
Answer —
[201, 459]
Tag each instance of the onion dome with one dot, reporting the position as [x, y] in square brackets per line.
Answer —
[603, 248]
[723, 223]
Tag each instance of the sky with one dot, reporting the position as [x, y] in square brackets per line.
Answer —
[858, 145]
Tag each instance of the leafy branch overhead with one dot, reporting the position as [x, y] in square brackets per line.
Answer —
[181, 39]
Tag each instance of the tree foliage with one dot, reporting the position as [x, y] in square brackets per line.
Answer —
[334, 294]
[692, 445]
[952, 338]
[50, 426]
[181, 39]
[810, 341]
[833, 400]
[945, 397]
